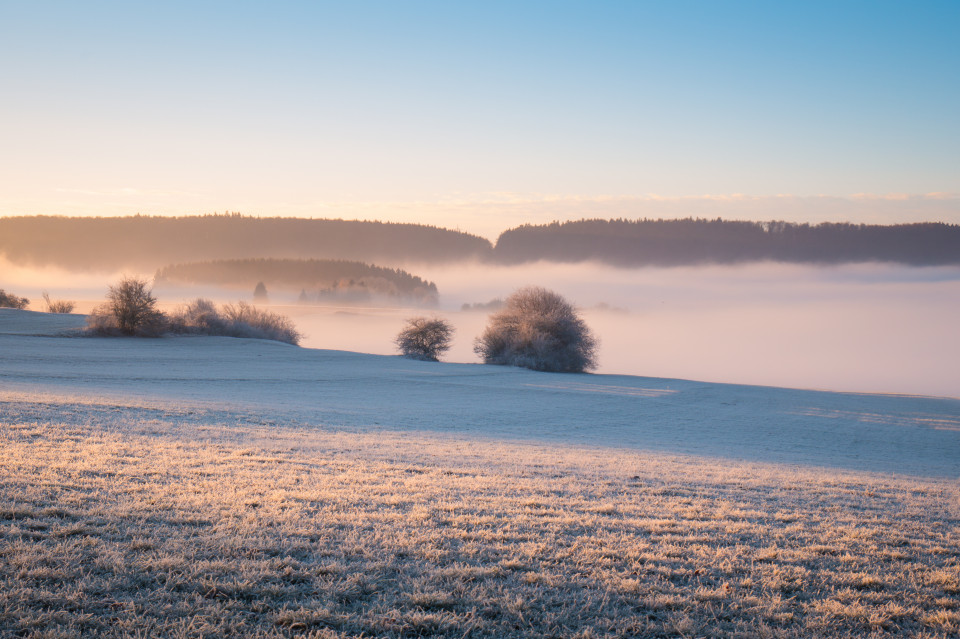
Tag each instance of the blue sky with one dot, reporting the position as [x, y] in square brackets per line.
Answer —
[480, 114]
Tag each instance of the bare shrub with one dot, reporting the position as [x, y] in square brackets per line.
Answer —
[131, 309]
[424, 338]
[538, 329]
[101, 321]
[8, 300]
[57, 306]
[245, 320]
[199, 316]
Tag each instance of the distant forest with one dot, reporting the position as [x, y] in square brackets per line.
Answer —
[147, 243]
[691, 241]
[316, 280]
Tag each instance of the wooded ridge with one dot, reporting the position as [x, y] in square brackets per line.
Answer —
[149, 242]
[315, 279]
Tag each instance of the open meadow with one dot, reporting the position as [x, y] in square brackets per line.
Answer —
[200, 486]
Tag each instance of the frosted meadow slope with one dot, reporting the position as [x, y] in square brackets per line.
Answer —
[214, 486]
[337, 389]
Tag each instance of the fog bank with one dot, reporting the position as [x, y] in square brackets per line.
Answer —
[857, 328]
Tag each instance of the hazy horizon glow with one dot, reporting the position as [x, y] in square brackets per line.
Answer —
[491, 215]
[482, 116]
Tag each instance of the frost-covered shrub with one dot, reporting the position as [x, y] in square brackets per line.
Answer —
[57, 306]
[8, 300]
[424, 338]
[201, 317]
[244, 320]
[101, 321]
[130, 309]
[538, 329]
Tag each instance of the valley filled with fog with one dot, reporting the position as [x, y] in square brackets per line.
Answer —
[856, 327]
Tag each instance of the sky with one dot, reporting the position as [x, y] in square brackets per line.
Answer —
[482, 115]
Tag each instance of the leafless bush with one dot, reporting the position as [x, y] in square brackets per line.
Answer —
[245, 320]
[101, 321]
[538, 329]
[202, 317]
[8, 300]
[131, 309]
[199, 316]
[424, 338]
[57, 306]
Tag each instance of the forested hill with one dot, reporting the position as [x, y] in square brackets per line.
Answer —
[316, 279]
[148, 242]
[691, 241]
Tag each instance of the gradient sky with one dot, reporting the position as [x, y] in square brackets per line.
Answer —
[482, 115]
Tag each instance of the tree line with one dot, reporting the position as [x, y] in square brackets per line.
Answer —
[698, 241]
[147, 242]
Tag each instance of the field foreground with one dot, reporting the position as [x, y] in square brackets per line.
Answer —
[154, 502]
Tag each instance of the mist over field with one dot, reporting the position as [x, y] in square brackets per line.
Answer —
[862, 328]
[859, 328]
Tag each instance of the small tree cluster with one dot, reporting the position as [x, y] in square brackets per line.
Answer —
[538, 329]
[8, 300]
[425, 339]
[131, 310]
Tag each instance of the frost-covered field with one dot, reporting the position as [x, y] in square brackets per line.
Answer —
[221, 487]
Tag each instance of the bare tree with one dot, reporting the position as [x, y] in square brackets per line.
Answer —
[538, 329]
[131, 309]
[424, 338]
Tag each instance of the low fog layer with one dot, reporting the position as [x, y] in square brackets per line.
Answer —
[866, 328]
[861, 328]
